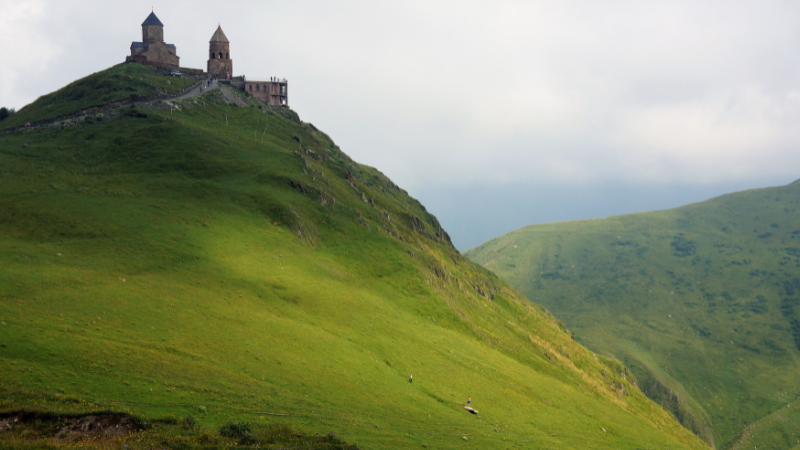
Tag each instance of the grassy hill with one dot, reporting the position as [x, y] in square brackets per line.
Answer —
[116, 84]
[233, 264]
[702, 302]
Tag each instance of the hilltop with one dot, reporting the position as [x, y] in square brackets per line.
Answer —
[117, 86]
[220, 258]
[701, 302]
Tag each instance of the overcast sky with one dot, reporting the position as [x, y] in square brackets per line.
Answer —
[494, 114]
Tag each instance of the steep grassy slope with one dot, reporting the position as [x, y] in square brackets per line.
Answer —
[234, 264]
[118, 83]
[701, 302]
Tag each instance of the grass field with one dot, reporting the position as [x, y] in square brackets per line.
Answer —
[701, 302]
[231, 263]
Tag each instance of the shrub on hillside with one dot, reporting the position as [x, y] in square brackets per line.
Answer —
[169, 420]
[189, 422]
[133, 112]
[5, 112]
[682, 246]
[240, 431]
[757, 307]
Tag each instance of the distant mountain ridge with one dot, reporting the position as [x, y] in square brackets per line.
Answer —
[702, 302]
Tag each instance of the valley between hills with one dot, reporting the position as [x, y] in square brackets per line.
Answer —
[701, 302]
[213, 272]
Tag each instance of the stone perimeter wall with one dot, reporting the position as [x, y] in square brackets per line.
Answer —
[143, 60]
[191, 71]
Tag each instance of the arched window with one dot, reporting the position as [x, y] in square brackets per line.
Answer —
[264, 88]
[220, 55]
[251, 88]
[257, 87]
[227, 56]
[213, 55]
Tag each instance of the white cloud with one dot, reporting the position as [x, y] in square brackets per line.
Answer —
[463, 93]
[23, 52]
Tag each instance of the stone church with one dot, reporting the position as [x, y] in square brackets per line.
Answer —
[154, 52]
[152, 49]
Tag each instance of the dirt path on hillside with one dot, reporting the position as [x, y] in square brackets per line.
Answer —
[199, 89]
[110, 111]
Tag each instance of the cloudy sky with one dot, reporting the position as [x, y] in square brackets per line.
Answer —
[494, 114]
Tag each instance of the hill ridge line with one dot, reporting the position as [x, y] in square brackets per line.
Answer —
[138, 101]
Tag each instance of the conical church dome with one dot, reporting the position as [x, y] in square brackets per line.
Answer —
[153, 20]
[219, 36]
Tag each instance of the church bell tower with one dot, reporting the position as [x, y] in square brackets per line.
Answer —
[220, 63]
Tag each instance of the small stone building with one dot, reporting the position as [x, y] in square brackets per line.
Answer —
[272, 92]
[220, 63]
[152, 50]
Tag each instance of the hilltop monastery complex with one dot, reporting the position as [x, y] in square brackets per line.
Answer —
[154, 51]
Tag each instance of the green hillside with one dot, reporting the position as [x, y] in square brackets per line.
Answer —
[701, 302]
[233, 264]
[116, 84]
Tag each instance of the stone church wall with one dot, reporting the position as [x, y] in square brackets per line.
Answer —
[160, 52]
[152, 33]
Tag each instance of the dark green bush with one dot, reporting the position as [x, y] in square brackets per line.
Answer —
[189, 422]
[169, 420]
[5, 112]
[240, 431]
[683, 247]
[757, 307]
[134, 113]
